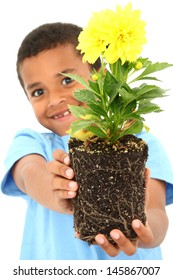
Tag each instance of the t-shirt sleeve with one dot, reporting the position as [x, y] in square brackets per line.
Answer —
[24, 143]
[159, 164]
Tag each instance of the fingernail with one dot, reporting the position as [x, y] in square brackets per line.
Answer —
[100, 240]
[71, 193]
[69, 173]
[136, 224]
[72, 184]
[77, 235]
[115, 235]
[66, 160]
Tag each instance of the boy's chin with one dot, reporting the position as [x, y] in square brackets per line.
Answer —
[59, 132]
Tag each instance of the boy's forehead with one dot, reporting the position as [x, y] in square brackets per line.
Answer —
[62, 58]
[60, 53]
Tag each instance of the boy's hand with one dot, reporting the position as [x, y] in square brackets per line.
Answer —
[144, 234]
[61, 181]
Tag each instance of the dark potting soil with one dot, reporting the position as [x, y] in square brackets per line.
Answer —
[111, 181]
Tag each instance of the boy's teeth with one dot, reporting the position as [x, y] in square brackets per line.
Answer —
[62, 115]
[66, 113]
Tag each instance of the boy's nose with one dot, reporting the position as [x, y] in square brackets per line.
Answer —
[54, 101]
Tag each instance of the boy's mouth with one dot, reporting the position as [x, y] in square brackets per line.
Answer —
[61, 115]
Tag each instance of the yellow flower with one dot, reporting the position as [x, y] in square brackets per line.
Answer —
[129, 36]
[115, 35]
[94, 39]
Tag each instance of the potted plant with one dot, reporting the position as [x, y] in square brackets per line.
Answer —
[106, 155]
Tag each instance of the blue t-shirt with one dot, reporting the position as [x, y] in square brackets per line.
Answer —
[49, 235]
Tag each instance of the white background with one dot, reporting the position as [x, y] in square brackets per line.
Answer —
[19, 17]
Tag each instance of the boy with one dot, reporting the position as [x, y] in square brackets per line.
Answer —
[38, 167]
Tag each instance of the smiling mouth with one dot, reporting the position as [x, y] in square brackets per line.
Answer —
[58, 116]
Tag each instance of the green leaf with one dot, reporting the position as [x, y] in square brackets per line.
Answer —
[85, 95]
[120, 71]
[79, 111]
[97, 131]
[98, 110]
[130, 107]
[89, 85]
[153, 67]
[132, 116]
[148, 107]
[117, 105]
[110, 83]
[94, 86]
[149, 78]
[135, 128]
[111, 87]
[150, 92]
[127, 96]
[80, 124]
[79, 79]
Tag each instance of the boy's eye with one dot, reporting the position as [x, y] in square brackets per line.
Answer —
[37, 92]
[67, 81]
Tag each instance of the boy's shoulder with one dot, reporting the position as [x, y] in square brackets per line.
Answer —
[28, 132]
[45, 138]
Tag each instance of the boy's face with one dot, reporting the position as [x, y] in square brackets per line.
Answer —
[50, 92]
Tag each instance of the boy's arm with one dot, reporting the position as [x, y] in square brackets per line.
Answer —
[156, 212]
[32, 176]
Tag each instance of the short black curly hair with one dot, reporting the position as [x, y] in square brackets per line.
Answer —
[48, 36]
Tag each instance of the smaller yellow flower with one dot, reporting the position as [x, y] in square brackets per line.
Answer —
[95, 77]
[138, 65]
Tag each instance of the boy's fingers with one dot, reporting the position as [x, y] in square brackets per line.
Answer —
[65, 194]
[109, 248]
[60, 169]
[61, 156]
[128, 247]
[143, 231]
[59, 183]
